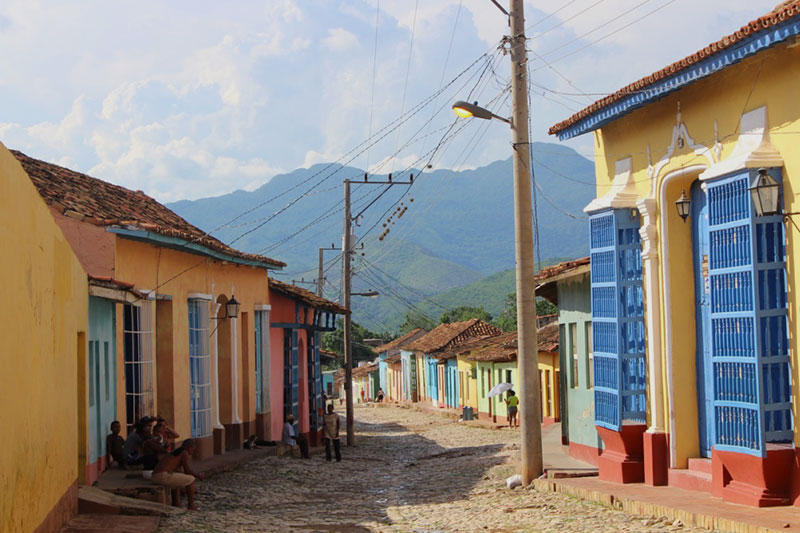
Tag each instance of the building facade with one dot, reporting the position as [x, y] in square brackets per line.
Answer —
[691, 280]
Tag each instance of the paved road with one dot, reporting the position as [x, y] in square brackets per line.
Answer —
[411, 472]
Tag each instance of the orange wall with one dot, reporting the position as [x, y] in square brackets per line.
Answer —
[178, 274]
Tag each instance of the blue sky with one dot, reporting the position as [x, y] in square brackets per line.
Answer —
[193, 99]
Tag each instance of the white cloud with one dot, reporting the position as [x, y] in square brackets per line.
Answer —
[340, 40]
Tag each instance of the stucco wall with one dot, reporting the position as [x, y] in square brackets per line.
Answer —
[45, 307]
[574, 307]
[177, 274]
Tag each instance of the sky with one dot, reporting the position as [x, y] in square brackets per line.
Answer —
[189, 99]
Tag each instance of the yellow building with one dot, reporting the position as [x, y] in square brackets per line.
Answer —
[692, 280]
[468, 383]
[174, 349]
[44, 324]
[549, 373]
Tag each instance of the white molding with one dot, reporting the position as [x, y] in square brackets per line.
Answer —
[622, 194]
[116, 295]
[679, 173]
[263, 307]
[199, 296]
[215, 344]
[649, 234]
[753, 147]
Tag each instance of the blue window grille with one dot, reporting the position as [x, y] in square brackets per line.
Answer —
[290, 375]
[199, 369]
[749, 337]
[314, 374]
[617, 318]
[261, 329]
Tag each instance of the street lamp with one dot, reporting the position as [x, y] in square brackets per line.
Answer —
[683, 205]
[527, 346]
[232, 307]
[368, 294]
[466, 110]
[766, 194]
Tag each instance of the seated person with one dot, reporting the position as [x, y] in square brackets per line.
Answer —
[292, 440]
[152, 451]
[114, 445]
[133, 444]
[166, 473]
[169, 435]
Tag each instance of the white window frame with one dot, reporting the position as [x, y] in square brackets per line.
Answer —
[199, 368]
[140, 334]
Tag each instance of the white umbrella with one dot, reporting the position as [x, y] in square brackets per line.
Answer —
[500, 388]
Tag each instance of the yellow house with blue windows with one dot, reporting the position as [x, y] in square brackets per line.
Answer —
[692, 279]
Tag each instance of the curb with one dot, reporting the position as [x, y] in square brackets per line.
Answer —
[647, 509]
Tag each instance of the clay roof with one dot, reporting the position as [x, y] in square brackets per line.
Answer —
[115, 284]
[401, 341]
[561, 268]
[782, 12]
[328, 354]
[306, 296]
[393, 359]
[502, 348]
[98, 202]
[361, 371]
[445, 335]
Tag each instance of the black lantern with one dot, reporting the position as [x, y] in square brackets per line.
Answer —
[232, 307]
[683, 204]
[766, 194]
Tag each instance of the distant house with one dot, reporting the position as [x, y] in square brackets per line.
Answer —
[173, 351]
[407, 383]
[298, 317]
[568, 286]
[432, 349]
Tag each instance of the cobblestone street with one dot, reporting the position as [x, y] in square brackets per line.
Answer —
[410, 471]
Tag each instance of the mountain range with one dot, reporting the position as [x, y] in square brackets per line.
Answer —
[449, 230]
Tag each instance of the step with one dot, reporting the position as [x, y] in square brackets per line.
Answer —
[103, 523]
[700, 464]
[92, 500]
[689, 479]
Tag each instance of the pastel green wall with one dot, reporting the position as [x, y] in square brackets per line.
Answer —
[499, 374]
[574, 307]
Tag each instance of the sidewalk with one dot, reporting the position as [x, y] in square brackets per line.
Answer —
[568, 475]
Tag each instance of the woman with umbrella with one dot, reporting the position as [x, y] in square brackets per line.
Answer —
[512, 402]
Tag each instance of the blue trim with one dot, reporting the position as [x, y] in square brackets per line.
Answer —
[745, 48]
[186, 246]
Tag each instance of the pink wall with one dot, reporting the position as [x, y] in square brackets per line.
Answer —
[93, 245]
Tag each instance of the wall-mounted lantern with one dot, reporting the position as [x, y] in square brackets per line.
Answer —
[232, 307]
[766, 194]
[684, 205]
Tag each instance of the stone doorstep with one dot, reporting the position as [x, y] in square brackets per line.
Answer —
[692, 508]
[92, 500]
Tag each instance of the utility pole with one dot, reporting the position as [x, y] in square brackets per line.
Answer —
[347, 250]
[528, 349]
[320, 273]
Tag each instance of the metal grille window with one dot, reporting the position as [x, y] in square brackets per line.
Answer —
[261, 328]
[616, 348]
[138, 346]
[749, 336]
[589, 357]
[573, 347]
[199, 372]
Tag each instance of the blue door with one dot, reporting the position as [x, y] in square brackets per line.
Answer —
[101, 374]
[702, 291]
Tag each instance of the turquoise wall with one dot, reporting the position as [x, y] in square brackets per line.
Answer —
[102, 374]
[574, 307]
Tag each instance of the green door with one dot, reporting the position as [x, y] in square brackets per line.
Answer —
[101, 374]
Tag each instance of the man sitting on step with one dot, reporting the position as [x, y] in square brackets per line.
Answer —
[291, 440]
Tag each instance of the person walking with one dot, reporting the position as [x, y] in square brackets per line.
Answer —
[331, 434]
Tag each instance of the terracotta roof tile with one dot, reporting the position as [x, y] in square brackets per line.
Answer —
[782, 12]
[504, 347]
[401, 341]
[445, 335]
[361, 371]
[97, 202]
[306, 296]
[561, 268]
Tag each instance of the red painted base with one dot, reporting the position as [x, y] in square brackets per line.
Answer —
[756, 481]
[656, 458]
[587, 454]
[622, 460]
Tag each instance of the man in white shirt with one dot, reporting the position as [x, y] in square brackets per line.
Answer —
[290, 439]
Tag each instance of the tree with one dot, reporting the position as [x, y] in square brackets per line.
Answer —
[465, 312]
[507, 319]
[414, 320]
[334, 341]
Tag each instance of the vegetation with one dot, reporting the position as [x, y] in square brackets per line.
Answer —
[334, 341]
[414, 320]
[507, 319]
[465, 312]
